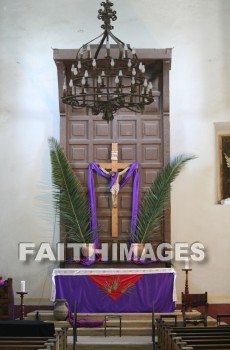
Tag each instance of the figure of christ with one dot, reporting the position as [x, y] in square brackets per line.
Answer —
[116, 186]
[115, 171]
[112, 170]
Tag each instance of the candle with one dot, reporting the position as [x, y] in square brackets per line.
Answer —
[23, 286]
[186, 264]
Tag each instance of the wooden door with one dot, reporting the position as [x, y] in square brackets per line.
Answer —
[142, 138]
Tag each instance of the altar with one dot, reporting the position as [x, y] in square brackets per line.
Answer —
[117, 290]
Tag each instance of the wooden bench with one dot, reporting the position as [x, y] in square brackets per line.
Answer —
[29, 343]
[58, 342]
[48, 333]
[196, 341]
[202, 343]
[184, 346]
[61, 338]
[175, 338]
[9, 346]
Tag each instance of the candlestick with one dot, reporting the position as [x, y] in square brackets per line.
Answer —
[186, 290]
[22, 306]
[186, 264]
[23, 286]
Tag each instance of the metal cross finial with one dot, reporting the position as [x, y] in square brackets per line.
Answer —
[106, 15]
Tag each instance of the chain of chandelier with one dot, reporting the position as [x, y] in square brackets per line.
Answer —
[103, 83]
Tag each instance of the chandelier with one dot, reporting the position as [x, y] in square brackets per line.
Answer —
[105, 83]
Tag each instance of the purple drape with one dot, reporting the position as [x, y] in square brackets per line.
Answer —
[133, 170]
[90, 298]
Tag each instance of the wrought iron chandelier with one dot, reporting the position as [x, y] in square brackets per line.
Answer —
[104, 83]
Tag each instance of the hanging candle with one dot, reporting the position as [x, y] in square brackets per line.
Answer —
[72, 68]
[88, 51]
[112, 63]
[150, 86]
[102, 78]
[83, 81]
[81, 52]
[125, 49]
[94, 64]
[64, 86]
[108, 48]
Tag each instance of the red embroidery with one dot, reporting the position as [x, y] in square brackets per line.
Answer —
[115, 285]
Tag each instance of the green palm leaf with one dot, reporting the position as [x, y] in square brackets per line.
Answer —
[69, 197]
[156, 198]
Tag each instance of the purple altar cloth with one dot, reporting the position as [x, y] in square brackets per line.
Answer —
[90, 298]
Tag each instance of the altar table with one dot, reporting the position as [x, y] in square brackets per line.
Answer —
[116, 290]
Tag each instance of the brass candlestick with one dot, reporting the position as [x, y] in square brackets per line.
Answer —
[22, 306]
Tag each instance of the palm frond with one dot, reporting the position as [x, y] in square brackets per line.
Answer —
[156, 198]
[69, 196]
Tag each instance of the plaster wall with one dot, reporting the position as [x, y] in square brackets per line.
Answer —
[199, 33]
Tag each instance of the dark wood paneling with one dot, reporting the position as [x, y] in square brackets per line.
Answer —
[143, 138]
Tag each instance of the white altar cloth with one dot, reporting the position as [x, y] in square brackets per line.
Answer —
[110, 271]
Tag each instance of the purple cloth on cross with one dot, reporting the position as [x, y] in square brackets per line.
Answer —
[133, 170]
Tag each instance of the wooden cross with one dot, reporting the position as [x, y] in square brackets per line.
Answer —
[115, 166]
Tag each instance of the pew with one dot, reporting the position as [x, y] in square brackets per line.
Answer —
[57, 342]
[46, 346]
[28, 331]
[176, 338]
[30, 343]
[198, 341]
[205, 342]
[179, 344]
[184, 346]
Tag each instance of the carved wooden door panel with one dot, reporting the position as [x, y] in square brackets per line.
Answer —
[142, 138]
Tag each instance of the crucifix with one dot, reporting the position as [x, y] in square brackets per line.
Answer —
[114, 167]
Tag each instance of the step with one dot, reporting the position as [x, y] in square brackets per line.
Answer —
[132, 324]
[97, 332]
[45, 315]
[128, 323]
[112, 343]
[126, 330]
